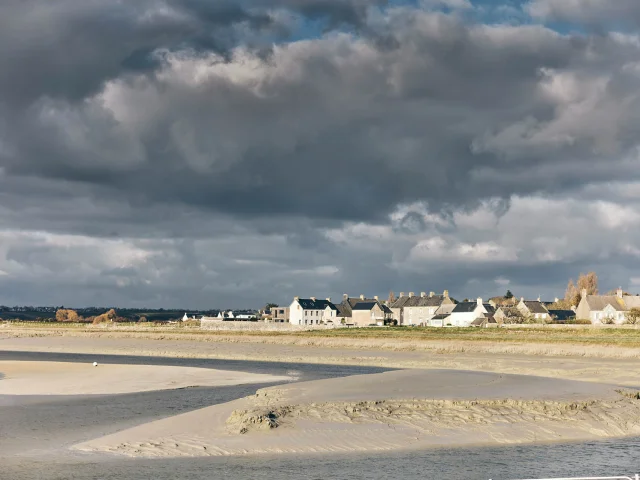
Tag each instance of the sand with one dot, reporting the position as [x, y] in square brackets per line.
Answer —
[584, 368]
[62, 378]
[388, 411]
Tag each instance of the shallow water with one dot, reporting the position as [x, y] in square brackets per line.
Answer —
[35, 432]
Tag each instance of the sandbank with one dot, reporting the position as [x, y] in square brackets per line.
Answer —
[63, 378]
[388, 411]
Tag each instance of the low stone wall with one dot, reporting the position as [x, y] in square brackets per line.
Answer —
[261, 326]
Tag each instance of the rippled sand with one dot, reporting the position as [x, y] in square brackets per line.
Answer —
[388, 411]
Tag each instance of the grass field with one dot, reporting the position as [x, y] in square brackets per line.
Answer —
[623, 337]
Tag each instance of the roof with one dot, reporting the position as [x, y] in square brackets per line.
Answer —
[419, 301]
[599, 302]
[364, 305]
[631, 301]
[440, 316]
[317, 304]
[467, 307]
[347, 305]
[535, 306]
[562, 314]
[483, 320]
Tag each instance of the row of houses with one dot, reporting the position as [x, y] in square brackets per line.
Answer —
[436, 310]
[441, 310]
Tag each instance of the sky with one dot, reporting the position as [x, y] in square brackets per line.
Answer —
[224, 154]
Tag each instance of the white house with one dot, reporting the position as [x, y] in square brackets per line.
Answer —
[311, 311]
[464, 313]
[186, 317]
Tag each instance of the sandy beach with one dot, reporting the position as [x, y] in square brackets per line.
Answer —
[434, 399]
[397, 410]
[63, 378]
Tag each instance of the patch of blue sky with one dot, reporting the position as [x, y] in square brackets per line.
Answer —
[511, 12]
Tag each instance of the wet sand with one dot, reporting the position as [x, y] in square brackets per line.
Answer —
[63, 378]
[388, 411]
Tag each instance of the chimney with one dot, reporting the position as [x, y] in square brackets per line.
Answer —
[328, 299]
[619, 292]
[423, 294]
[313, 298]
[410, 294]
[375, 297]
[538, 297]
[583, 293]
[401, 294]
[479, 300]
[296, 298]
[556, 300]
[345, 296]
[445, 294]
[432, 294]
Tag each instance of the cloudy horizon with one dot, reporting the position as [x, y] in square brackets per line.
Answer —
[224, 154]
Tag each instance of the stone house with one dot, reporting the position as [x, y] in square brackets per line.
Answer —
[534, 309]
[363, 311]
[419, 310]
[604, 308]
[370, 313]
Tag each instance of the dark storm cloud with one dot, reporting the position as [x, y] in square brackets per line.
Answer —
[452, 115]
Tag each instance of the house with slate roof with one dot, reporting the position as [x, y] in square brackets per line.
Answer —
[464, 313]
[363, 311]
[419, 310]
[312, 311]
[534, 309]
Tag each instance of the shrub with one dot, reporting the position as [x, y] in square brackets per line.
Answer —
[66, 315]
[633, 316]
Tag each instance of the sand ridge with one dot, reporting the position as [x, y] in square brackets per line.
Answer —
[387, 411]
[66, 378]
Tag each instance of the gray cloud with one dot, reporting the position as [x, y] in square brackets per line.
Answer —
[353, 160]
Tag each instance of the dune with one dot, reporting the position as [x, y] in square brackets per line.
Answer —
[409, 409]
[62, 378]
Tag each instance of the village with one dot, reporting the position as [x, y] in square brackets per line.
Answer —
[441, 310]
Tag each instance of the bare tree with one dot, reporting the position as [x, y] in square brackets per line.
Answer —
[588, 282]
[571, 293]
[392, 298]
